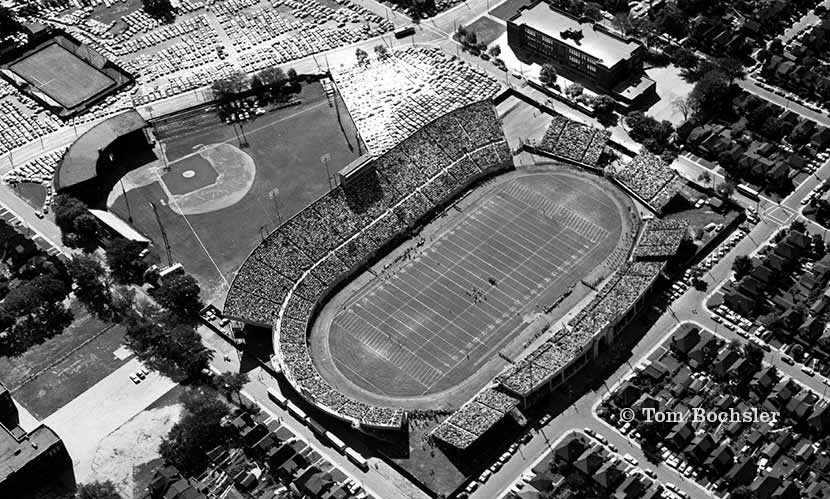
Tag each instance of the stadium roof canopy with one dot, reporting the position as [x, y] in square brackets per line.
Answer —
[80, 161]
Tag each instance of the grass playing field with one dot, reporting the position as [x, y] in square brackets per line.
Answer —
[62, 76]
[436, 319]
[286, 146]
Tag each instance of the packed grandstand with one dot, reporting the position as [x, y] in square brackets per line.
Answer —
[292, 271]
[555, 359]
[285, 280]
[574, 141]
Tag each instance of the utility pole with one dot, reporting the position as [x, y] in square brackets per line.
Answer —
[163, 234]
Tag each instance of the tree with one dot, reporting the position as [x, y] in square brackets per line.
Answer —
[381, 51]
[753, 354]
[8, 21]
[731, 67]
[79, 229]
[125, 262]
[91, 286]
[683, 105]
[292, 74]
[604, 104]
[228, 87]
[547, 74]
[161, 9]
[272, 76]
[197, 432]
[623, 23]
[726, 188]
[672, 21]
[172, 349]
[179, 294]
[742, 265]
[67, 209]
[47, 320]
[574, 90]
[798, 226]
[494, 51]
[231, 384]
[361, 55]
[592, 11]
[27, 297]
[685, 58]
[98, 490]
[819, 248]
[655, 135]
[705, 177]
[710, 93]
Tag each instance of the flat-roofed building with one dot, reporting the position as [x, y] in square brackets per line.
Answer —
[600, 57]
[29, 461]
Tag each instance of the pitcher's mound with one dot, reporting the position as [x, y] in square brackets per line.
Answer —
[235, 175]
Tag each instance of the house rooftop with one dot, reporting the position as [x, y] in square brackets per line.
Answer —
[596, 42]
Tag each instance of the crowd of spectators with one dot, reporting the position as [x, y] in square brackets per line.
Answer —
[292, 270]
[650, 178]
[390, 97]
[661, 238]
[574, 141]
[614, 300]
[474, 418]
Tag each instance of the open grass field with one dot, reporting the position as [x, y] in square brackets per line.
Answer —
[49, 375]
[486, 29]
[285, 147]
[434, 321]
[62, 75]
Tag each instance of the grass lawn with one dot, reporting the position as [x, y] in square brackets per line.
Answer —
[62, 75]
[116, 11]
[32, 193]
[486, 29]
[287, 146]
[47, 376]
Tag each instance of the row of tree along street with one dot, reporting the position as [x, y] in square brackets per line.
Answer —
[160, 329]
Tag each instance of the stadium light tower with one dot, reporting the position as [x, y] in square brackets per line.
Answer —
[163, 234]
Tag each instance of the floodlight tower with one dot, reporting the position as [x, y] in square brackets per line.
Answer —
[163, 234]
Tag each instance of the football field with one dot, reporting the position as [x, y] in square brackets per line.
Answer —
[442, 314]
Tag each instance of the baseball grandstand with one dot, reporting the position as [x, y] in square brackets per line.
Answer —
[62, 74]
[523, 241]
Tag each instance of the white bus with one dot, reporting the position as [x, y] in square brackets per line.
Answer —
[748, 192]
[357, 459]
[277, 397]
[335, 442]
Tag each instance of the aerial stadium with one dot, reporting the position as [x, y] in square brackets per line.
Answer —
[423, 280]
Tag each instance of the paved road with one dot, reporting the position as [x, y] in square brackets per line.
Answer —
[750, 86]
